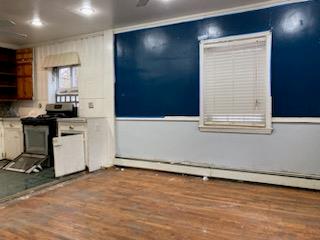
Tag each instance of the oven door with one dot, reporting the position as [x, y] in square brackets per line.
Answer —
[36, 139]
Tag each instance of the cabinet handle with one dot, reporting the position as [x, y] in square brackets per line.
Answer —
[71, 127]
[11, 125]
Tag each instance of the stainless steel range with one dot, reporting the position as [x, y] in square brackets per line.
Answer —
[38, 135]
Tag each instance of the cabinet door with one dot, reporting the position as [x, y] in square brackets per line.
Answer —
[24, 88]
[13, 142]
[24, 58]
[68, 155]
[20, 88]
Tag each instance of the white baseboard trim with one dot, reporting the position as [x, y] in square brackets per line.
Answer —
[314, 120]
[303, 120]
[298, 182]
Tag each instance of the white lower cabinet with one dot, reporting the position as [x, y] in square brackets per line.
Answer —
[94, 135]
[12, 139]
[69, 156]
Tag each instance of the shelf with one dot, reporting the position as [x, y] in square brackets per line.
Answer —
[8, 74]
[8, 100]
[15, 80]
[13, 63]
[24, 62]
[7, 86]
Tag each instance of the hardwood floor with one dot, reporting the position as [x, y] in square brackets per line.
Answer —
[138, 204]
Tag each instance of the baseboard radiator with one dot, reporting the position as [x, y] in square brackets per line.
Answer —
[239, 175]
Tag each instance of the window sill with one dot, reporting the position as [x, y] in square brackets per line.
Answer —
[242, 130]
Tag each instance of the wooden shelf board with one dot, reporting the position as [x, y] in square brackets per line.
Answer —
[24, 62]
[7, 62]
[24, 76]
[7, 86]
[8, 74]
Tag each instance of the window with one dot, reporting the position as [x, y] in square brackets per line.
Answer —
[67, 84]
[235, 84]
[67, 78]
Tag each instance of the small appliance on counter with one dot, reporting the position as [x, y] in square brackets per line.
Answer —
[38, 134]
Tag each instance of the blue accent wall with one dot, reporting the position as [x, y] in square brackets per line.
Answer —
[157, 69]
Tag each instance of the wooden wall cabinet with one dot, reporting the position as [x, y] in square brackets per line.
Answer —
[16, 74]
[8, 80]
[24, 61]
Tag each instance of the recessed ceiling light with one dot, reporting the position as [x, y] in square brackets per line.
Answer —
[36, 22]
[88, 11]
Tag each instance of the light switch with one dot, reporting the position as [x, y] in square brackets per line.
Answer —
[90, 105]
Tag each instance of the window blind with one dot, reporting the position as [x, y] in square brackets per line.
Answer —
[235, 82]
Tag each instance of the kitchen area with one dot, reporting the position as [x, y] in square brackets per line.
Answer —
[53, 125]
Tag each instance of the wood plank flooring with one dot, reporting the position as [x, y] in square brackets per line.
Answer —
[138, 204]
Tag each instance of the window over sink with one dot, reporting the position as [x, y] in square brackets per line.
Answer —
[67, 84]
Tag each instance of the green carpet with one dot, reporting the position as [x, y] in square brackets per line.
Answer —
[14, 182]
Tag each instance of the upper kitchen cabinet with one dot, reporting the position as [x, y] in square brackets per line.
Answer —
[8, 79]
[24, 66]
[16, 74]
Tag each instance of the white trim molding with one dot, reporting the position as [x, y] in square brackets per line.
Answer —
[243, 130]
[159, 119]
[196, 119]
[296, 120]
[274, 179]
[194, 17]
[63, 40]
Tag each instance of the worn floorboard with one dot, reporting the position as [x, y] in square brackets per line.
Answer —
[138, 204]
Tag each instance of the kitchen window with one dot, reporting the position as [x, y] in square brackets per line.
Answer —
[235, 91]
[67, 84]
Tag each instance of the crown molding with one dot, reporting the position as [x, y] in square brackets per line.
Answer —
[194, 17]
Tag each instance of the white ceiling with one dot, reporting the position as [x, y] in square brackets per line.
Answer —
[62, 18]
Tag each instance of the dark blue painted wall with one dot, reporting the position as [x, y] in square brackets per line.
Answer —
[157, 70]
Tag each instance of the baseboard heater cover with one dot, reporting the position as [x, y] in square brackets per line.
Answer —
[289, 181]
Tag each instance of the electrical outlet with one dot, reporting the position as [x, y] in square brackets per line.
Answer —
[91, 105]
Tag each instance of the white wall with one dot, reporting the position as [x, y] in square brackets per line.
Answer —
[8, 45]
[291, 149]
[96, 80]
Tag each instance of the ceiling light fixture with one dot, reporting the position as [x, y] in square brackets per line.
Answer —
[88, 11]
[36, 22]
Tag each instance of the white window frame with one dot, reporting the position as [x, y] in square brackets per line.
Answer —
[71, 93]
[57, 74]
[267, 129]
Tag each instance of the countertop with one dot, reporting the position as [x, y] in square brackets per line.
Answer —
[73, 120]
[67, 120]
[9, 118]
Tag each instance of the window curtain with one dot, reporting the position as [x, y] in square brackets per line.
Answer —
[61, 60]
